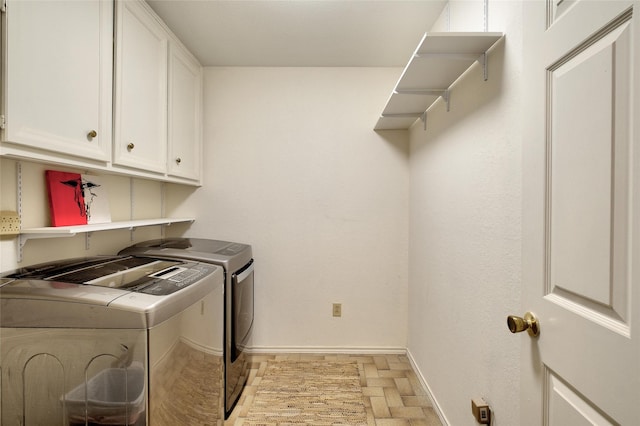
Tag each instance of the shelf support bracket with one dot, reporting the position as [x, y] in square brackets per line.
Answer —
[485, 67]
[163, 200]
[131, 206]
[19, 206]
[23, 238]
[423, 117]
[87, 240]
[447, 98]
[21, 242]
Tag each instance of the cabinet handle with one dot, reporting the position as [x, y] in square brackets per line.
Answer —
[178, 160]
[130, 146]
[92, 134]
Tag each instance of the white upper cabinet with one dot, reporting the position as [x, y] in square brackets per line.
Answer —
[140, 139]
[99, 85]
[58, 78]
[185, 113]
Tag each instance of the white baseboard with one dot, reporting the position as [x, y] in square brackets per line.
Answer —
[354, 350]
[427, 389]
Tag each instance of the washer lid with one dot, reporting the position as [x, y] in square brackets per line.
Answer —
[232, 255]
[94, 281]
[115, 272]
[59, 291]
[122, 272]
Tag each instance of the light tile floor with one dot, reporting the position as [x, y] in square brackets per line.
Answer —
[393, 395]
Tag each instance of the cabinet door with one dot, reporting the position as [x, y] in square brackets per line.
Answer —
[185, 114]
[59, 76]
[141, 89]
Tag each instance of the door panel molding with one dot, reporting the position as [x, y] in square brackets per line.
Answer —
[587, 177]
[564, 405]
[598, 314]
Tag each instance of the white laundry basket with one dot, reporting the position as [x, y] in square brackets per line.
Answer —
[114, 396]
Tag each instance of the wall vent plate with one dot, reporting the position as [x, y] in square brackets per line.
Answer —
[9, 223]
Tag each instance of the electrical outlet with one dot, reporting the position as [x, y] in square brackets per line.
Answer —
[481, 411]
[9, 223]
[337, 309]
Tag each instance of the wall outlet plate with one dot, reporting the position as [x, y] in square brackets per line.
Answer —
[9, 223]
[337, 309]
[481, 411]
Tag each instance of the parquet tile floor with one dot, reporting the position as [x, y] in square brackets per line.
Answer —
[392, 393]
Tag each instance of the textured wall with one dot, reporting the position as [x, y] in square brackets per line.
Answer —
[293, 167]
[465, 236]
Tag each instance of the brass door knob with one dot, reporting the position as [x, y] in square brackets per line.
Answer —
[178, 160]
[92, 134]
[130, 146]
[529, 323]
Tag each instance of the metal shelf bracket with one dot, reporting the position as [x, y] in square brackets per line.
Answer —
[485, 67]
[423, 117]
[23, 238]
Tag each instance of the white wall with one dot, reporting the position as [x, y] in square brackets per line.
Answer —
[293, 167]
[465, 236]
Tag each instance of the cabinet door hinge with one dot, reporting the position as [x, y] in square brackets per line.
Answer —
[2, 122]
[3, 6]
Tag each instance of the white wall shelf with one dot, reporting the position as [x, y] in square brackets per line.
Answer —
[70, 231]
[439, 60]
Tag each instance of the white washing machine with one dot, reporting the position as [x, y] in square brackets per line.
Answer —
[238, 264]
[119, 340]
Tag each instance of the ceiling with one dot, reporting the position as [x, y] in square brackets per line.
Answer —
[305, 33]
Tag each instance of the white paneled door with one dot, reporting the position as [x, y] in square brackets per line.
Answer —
[581, 213]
